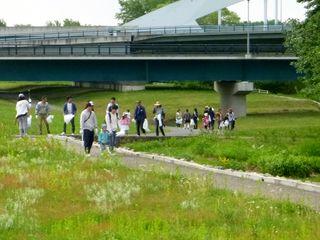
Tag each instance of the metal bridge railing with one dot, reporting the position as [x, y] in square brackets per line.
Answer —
[138, 49]
[125, 31]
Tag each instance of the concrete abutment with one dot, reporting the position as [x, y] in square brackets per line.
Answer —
[234, 95]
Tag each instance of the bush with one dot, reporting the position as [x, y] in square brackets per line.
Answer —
[285, 165]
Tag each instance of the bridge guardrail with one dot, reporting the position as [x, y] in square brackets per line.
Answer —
[138, 49]
[121, 31]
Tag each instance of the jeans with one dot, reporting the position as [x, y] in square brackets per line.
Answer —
[88, 137]
[139, 124]
[72, 126]
[112, 140]
[23, 125]
[157, 128]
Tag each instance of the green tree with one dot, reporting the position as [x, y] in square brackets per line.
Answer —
[2, 23]
[228, 17]
[132, 9]
[68, 22]
[304, 41]
[54, 23]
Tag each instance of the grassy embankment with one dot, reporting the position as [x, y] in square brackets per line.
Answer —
[47, 192]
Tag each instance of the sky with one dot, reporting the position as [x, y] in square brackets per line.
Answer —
[102, 12]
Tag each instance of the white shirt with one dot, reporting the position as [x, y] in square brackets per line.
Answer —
[22, 107]
[88, 121]
[69, 108]
[112, 122]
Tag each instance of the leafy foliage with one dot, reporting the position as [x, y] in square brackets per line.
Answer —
[304, 40]
[132, 9]
[2, 23]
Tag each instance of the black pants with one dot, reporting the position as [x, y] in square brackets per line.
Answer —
[195, 123]
[139, 124]
[157, 128]
[72, 126]
[231, 125]
[88, 137]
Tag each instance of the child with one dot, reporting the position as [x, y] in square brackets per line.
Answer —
[125, 122]
[103, 138]
[206, 121]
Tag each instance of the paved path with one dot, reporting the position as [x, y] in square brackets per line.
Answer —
[249, 183]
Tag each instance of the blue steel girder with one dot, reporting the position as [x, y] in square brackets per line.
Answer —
[152, 69]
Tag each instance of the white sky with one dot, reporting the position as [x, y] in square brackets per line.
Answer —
[102, 12]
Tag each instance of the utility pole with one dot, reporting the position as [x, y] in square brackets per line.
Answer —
[265, 21]
[219, 17]
[248, 55]
[276, 12]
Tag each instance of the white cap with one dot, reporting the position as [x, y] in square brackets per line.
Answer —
[91, 103]
[21, 95]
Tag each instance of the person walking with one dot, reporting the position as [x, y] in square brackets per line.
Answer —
[42, 112]
[219, 118]
[113, 103]
[195, 118]
[69, 108]
[159, 118]
[212, 117]
[231, 119]
[22, 108]
[88, 126]
[112, 126]
[186, 119]
[178, 118]
[139, 116]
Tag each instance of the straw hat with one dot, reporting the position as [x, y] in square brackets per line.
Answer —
[157, 103]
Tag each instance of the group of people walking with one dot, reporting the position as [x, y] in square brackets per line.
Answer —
[191, 121]
[88, 120]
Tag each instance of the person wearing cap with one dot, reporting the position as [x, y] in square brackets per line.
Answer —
[88, 126]
[212, 117]
[139, 116]
[104, 138]
[112, 125]
[22, 109]
[124, 122]
[42, 112]
[159, 118]
[69, 108]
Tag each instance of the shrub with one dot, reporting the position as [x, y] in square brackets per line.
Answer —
[285, 165]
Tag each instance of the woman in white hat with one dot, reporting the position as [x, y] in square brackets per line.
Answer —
[22, 108]
[159, 118]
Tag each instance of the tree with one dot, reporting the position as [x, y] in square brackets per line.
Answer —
[304, 41]
[228, 17]
[54, 23]
[132, 9]
[2, 23]
[68, 22]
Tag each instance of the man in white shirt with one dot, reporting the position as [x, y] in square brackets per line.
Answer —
[22, 108]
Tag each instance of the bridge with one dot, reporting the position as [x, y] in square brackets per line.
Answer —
[127, 57]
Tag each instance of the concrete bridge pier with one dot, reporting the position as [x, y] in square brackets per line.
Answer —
[119, 86]
[233, 95]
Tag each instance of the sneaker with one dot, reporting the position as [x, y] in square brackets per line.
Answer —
[72, 134]
[88, 155]
[63, 134]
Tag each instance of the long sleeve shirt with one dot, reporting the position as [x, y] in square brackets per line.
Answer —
[22, 108]
[88, 120]
[42, 108]
[112, 122]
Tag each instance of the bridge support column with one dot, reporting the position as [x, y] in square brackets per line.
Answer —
[120, 86]
[233, 95]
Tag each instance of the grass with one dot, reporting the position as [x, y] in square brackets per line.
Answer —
[280, 125]
[47, 192]
[50, 193]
